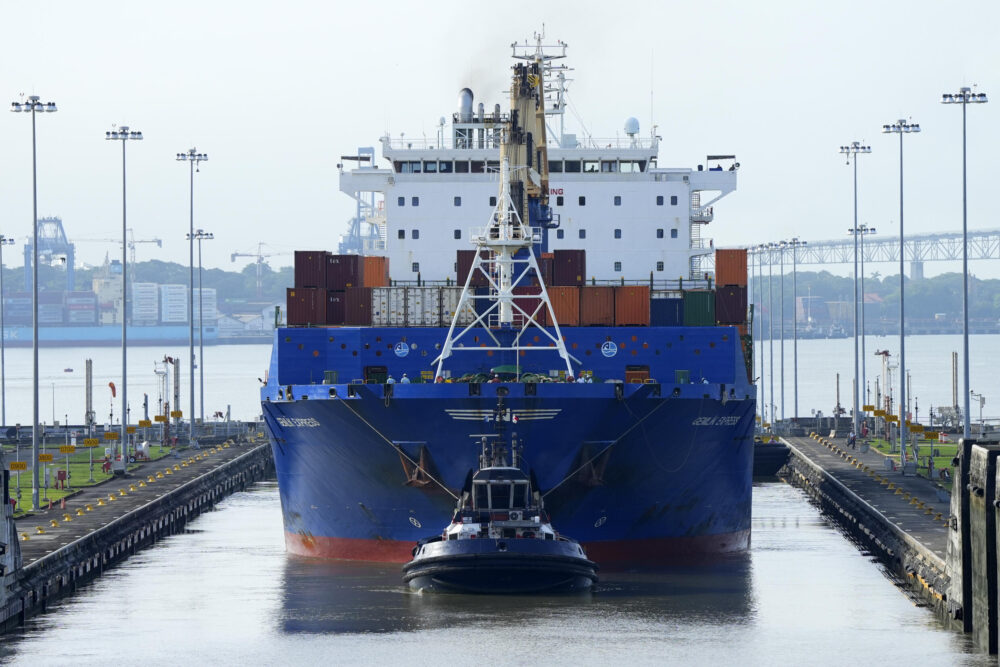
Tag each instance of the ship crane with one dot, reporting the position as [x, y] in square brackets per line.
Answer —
[260, 255]
[132, 242]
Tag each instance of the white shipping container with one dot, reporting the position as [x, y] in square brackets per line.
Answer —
[389, 306]
[173, 303]
[208, 299]
[450, 297]
[423, 306]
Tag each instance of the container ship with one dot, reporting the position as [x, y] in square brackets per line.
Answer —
[555, 285]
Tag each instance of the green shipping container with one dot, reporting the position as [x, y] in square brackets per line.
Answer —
[699, 308]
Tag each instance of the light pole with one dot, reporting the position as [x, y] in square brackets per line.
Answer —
[759, 251]
[781, 310]
[795, 243]
[4, 240]
[852, 151]
[901, 127]
[124, 135]
[200, 235]
[770, 323]
[193, 158]
[34, 106]
[965, 96]
[861, 232]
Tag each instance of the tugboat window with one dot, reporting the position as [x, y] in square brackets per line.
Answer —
[482, 497]
[500, 495]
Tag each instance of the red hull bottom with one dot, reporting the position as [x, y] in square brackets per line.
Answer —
[647, 552]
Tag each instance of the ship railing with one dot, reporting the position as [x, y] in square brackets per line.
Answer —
[462, 143]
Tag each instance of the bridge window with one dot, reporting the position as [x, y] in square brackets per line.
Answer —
[628, 167]
[493, 201]
[415, 234]
[673, 200]
[400, 201]
[520, 496]
[659, 233]
[401, 234]
[415, 201]
[555, 166]
[458, 201]
[583, 233]
[582, 200]
[659, 200]
[493, 166]
[430, 167]
[444, 167]
[618, 267]
[618, 233]
[416, 267]
[559, 200]
[500, 495]
[458, 233]
[590, 166]
[572, 166]
[618, 200]
[560, 233]
[608, 166]
[673, 233]
[461, 166]
[659, 266]
[477, 166]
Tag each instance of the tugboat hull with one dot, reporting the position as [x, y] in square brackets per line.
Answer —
[500, 566]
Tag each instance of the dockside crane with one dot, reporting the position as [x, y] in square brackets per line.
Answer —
[260, 256]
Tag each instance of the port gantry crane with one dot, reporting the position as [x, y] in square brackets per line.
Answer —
[260, 255]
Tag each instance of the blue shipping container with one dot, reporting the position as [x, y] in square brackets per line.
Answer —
[666, 312]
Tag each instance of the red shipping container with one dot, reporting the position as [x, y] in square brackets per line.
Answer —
[731, 304]
[566, 304]
[335, 309]
[358, 307]
[569, 267]
[731, 267]
[300, 306]
[310, 268]
[632, 306]
[376, 272]
[344, 271]
[529, 305]
[464, 259]
[597, 306]
[545, 269]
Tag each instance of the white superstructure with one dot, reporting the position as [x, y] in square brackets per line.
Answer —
[609, 196]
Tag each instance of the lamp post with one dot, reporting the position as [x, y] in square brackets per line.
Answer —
[4, 240]
[861, 231]
[795, 243]
[124, 135]
[34, 106]
[781, 311]
[759, 251]
[770, 324]
[193, 158]
[982, 402]
[200, 235]
[901, 127]
[852, 151]
[965, 96]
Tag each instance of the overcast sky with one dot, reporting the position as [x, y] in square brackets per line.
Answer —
[276, 92]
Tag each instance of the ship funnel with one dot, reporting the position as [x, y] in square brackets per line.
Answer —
[480, 111]
[465, 106]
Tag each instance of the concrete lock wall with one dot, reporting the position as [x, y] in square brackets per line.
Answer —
[959, 551]
[981, 491]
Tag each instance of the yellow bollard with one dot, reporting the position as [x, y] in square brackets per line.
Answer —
[177, 467]
[159, 475]
[39, 530]
[141, 483]
[168, 471]
[100, 501]
[24, 537]
[131, 487]
[111, 496]
[121, 492]
[891, 486]
[80, 512]
[67, 517]
[928, 511]
[150, 479]
[53, 523]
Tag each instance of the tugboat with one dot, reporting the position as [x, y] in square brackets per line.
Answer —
[500, 539]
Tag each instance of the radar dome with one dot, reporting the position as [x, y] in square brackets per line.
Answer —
[631, 126]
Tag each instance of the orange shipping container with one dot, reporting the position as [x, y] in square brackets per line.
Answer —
[376, 271]
[632, 305]
[597, 306]
[566, 304]
[731, 267]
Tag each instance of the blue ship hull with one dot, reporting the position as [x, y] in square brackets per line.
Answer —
[636, 472]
